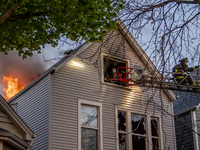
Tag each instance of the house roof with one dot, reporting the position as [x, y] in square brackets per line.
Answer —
[127, 35]
[18, 122]
[186, 101]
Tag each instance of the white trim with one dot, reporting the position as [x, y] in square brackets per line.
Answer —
[148, 128]
[116, 129]
[128, 125]
[50, 112]
[194, 128]
[173, 126]
[161, 133]
[149, 140]
[92, 103]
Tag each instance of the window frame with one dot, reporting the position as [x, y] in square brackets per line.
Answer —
[100, 123]
[114, 58]
[147, 125]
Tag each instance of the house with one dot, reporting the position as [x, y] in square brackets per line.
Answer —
[187, 120]
[75, 106]
[14, 133]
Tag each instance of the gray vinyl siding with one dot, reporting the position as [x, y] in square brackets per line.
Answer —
[71, 83]
[198, 123]
[184, 135]
[33, 108]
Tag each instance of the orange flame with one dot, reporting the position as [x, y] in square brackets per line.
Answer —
[13, 86]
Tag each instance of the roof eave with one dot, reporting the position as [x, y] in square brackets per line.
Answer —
[53, 69]
[17, 120]
[186, 110]
[11, 138]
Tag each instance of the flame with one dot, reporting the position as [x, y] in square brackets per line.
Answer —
[13, 86]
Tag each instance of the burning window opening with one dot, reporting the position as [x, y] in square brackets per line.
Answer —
[13, 86]
[110, 70]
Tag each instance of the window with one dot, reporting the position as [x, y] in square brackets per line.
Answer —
[110, 66]
[137, 132]
[154, 133]
[90, 125]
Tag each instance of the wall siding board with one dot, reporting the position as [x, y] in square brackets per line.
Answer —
[71, 83]
[183, 133]
[36, 100]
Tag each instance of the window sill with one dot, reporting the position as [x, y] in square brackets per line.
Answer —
[118, 86]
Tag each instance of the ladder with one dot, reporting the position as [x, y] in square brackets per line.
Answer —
[151, 79]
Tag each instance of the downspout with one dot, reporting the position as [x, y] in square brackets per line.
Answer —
[194, 128]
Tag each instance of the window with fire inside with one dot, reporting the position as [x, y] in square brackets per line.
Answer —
[113, 69]
[132, 132]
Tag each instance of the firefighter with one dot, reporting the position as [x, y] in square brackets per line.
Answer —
[180, 70]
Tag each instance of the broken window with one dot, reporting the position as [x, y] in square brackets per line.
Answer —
[138, 132]
[110, 70]
[132, 131]
[122, 130]
[154, 133]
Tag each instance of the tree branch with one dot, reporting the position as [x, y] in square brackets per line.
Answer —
[27, 15]
[9, 12]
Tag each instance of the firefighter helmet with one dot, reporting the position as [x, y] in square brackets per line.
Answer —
[184, 60]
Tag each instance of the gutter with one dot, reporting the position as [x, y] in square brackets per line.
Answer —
[186, 110]
[13, 138]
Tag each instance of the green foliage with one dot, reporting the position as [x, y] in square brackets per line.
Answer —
[38, 22]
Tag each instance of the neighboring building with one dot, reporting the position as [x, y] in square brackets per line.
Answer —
[14, 133]
[72, 105]
[187, 120]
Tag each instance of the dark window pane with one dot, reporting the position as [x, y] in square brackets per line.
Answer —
[155, 143]
[122, 141]
[88, 139]
[138, 143]
[138, 124]
[110, 70]
[121, 121]
[154, 127]
[89, 116]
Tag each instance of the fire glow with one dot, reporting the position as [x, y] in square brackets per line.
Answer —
[13, 86]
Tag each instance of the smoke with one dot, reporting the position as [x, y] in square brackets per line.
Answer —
[31, 67]
[26, 70]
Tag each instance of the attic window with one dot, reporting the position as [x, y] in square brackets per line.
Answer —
[110, 69]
